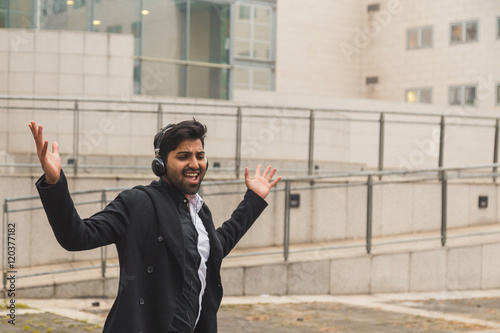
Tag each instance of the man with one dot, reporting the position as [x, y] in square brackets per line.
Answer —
[169, 250]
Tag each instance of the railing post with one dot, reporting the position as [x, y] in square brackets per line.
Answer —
[286, 230]
[76, 137]
[104, 249]
[381, 142]
[444, 206]
[159, 116]
[237, 156]
[369, 213]
[441, 144]
[310, 166]
[495, 149]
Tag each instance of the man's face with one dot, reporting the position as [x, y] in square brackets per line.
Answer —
[186, 166]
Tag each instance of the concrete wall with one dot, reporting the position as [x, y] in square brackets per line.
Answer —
[472, 267]
[443, 269]
[308, 58]
[324, 215]
[65, 63]
[385, 52]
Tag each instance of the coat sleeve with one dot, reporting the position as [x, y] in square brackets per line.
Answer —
[241, 220]
[72, 232]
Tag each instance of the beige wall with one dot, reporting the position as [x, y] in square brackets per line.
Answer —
[308, 58]
[440, 66]
[65, 63]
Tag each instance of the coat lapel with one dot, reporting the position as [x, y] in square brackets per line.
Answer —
[169, 225]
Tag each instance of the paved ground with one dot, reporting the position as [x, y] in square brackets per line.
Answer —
[403, 313]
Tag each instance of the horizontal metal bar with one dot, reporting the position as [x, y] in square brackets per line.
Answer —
[236, 105]
[184, 62]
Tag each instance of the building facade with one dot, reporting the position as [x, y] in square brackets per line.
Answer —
[440, 53]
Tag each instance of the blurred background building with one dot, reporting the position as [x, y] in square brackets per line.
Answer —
[439, 53]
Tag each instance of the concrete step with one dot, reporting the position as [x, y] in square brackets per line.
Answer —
[403, 263]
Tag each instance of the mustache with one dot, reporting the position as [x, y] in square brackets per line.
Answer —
[187, 169]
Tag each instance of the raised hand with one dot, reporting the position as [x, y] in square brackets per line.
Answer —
[261, 184]
[51, 161]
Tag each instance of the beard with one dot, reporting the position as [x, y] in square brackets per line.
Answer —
[178, 179]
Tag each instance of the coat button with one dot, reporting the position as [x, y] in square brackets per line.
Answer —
[150, 269]
[160, 238]
[141, 301]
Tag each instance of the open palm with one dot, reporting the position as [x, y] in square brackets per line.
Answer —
[51, 161]
[261, 184]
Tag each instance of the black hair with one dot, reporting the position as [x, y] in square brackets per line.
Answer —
[173, 134]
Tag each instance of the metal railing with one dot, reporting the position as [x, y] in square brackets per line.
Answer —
[368, 179]
[241, 114]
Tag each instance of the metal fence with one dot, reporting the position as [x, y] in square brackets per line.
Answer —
[368, 179]
[240, 115]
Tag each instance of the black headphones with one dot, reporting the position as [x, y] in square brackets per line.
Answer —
[158, 166]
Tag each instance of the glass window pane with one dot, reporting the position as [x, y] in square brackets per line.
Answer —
[411, 96]
[426, 37]
[413, 39]
[471, 31]
[242, 29]
[2, 20]
[261, 50]
[242, 48]
[262, 15]
[456, 32]
[242, 77]
[470, 95]
[243, 12]
[426, 96]
[262, 33]
[455, 97]
[261, 79]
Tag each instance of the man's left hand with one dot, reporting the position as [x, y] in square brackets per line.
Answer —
[261, 184]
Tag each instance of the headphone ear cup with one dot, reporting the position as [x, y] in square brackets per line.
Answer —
[158, 167]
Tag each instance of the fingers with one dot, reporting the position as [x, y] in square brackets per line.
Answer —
[55, 148]
[271, 175]
[266, 172]
[247, 174]
[257, 171]
[43, 151]
[276, 181]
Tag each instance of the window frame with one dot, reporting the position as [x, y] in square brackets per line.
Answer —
[419, 92]
[463, 88]
[419, 37]
[498, 27]
[251, 62]
[464, 32]
[497, 93]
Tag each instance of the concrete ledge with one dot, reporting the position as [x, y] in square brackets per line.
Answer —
[472, 267]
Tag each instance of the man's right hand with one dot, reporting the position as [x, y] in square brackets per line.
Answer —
[51, 161]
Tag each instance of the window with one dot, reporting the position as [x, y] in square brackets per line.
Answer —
[464, 32]
[59, 6]
[253, 46]
[498, 27]
[418, 38]
[252, 78]
[253, 32]
[462, 95]
[423, 95]
[117, 29]
[498, 94]
[79, 3]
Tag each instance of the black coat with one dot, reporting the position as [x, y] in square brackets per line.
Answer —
[144, 224]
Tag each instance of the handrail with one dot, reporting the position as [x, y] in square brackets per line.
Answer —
[443, 175]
